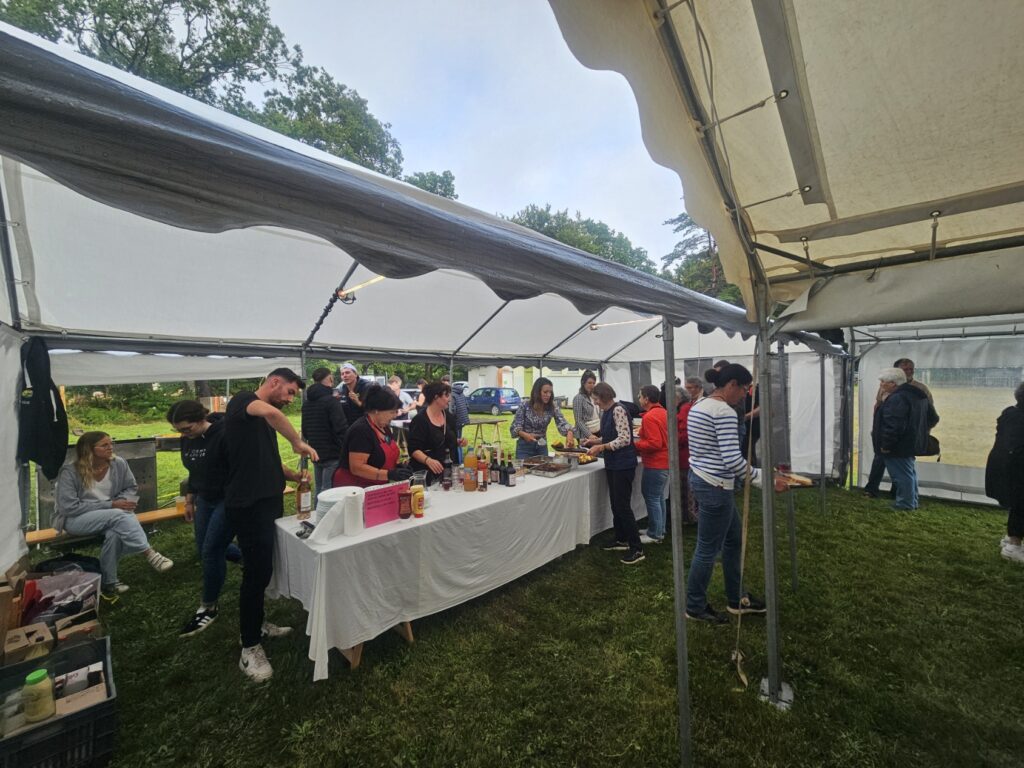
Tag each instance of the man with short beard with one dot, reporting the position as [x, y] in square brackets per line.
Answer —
[253, 498]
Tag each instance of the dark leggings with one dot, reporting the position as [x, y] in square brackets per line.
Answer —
[256, 532]
[1015, 521]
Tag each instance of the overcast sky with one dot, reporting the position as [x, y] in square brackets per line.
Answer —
[490, 91]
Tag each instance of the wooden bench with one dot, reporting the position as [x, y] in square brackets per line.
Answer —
[50, 535]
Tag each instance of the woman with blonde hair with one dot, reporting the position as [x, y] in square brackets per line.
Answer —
[97, 494]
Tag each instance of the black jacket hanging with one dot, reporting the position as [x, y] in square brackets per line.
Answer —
[42, 420]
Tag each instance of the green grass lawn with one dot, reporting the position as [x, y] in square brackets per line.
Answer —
[903, 645]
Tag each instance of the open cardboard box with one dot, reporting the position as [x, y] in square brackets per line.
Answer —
[25, 643]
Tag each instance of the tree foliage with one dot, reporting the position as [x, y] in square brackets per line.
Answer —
[694, 262]
[314, 108]
[205, 49]
[586, 234]
[215, 51]
[442, 184]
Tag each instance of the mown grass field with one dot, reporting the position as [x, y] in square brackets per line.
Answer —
[902, 644]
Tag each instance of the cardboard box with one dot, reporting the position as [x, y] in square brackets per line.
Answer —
[81, 625]
[29, 642]
[6, 599]
[78, 681]
[94, 694]
[15, 575]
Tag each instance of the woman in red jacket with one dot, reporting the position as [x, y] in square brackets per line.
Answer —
[652, 445]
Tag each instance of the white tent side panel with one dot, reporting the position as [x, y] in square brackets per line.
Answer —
[96, 368]
[943, 480]
[805, 413]
[12, 543]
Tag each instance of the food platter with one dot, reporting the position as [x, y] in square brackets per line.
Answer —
[549, 469]
[794, 480]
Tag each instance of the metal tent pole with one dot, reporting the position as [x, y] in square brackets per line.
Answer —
[790, 506]
[772, 687]
[851, 403]
[678, 566]
[824, 477]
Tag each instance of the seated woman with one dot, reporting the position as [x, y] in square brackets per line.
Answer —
[97, 494]
[432, 433]
[369, 455]
[530, 424]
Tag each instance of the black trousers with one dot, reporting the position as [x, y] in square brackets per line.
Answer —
[620, 489]
[256, 533]
[1015, 521]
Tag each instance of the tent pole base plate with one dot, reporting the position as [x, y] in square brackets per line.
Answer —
[785, 700]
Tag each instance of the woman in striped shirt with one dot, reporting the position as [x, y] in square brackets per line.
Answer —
[715, 463]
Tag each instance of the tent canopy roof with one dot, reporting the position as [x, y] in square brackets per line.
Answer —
[151, 219]
[829, 138]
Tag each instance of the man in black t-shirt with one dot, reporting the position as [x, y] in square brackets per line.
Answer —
[253, 497]
[351, 392]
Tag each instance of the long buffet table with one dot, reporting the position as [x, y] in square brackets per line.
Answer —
[467, 544]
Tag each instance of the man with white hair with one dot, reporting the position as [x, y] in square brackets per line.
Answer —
[900, 430]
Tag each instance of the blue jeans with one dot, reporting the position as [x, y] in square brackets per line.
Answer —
[526, 449]
[903, 472]
[323, 477]
[718, 531]
[122, 535]
[652, 486]
[213, 543]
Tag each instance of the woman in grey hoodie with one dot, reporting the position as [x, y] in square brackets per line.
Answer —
[97, 494]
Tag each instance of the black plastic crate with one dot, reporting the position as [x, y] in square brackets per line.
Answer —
[83, 738]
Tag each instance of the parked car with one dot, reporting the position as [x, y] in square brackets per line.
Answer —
[493, 400]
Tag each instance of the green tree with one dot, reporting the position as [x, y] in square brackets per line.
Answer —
[442, 184]
[314, 108]
[694, 262]
[215, 51]
[586, 234]
[202, 48]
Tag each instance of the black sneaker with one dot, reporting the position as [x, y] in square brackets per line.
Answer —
[201, 620]
[632, 558]
[748, 604]
[708, 615]
[615, 546]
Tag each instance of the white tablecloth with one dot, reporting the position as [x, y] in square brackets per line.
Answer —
[467, 544]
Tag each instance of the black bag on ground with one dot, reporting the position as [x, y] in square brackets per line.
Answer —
[68, 560]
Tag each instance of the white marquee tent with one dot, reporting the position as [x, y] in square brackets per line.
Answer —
[863, 162]
[142, 221]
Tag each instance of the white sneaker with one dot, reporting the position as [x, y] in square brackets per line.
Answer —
[255, 665]
[645, 539]
[159, 562]
[1014, 552]
[273, 631]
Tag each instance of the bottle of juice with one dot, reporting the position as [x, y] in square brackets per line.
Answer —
[469, 471]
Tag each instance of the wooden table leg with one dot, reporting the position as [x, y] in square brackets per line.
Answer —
[353, 654]
[405, 630]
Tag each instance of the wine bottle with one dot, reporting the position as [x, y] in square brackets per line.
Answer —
[303, 492]
[511, 475]
[446, 475]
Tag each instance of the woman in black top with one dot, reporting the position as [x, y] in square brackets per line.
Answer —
[202, 454]
[369, 455]
[432, 434]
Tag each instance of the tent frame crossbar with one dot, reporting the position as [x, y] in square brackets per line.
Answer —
[630, 343]
[7, 259]
[483, 325]
[574, 334]
[968, 249]
[330, 304]
[91, 343]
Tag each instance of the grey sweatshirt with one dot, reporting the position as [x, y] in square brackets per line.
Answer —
[71, 500]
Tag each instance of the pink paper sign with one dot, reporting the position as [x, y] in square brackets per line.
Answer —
[381, 504]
